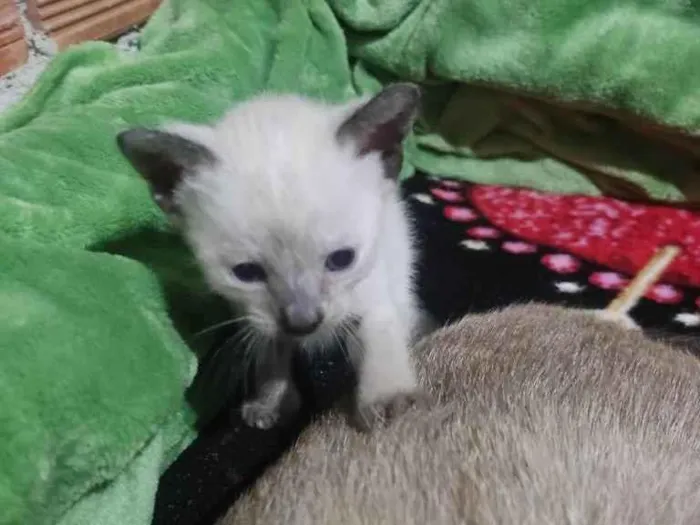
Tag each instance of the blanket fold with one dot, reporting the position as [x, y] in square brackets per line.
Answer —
[638, 63]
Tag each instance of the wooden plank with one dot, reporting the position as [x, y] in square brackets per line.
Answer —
[62, 6]
[9, 16]
[11, 35]
[71, 21]
[41, 3]
[105, 24]
[12, 56]
[81, 13]
[13, 47]
[33, 15]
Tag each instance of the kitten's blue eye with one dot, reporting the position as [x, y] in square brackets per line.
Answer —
[249, 272]
[340, 259]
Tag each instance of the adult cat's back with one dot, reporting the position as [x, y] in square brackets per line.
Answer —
[542, 415]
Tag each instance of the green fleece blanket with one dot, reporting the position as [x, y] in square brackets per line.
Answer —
[100, 302]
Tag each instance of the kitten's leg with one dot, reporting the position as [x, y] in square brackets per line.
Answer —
[387, 384]
[276, 399]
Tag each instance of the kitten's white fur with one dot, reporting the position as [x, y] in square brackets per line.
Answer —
[285, 191]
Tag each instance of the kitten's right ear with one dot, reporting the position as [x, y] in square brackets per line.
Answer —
[163, 158]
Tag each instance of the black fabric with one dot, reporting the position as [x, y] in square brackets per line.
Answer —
[228, 455]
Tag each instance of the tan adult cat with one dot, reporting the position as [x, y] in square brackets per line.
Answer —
[542, 416]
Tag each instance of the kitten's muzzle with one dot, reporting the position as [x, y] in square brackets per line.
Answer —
[299, 320]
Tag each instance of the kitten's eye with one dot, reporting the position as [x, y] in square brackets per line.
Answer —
[340, 259]
[249, 272]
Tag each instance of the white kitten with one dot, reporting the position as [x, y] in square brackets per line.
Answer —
[293, 209]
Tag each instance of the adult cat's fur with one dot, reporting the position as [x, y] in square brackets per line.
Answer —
[542, 416]
[292, 208]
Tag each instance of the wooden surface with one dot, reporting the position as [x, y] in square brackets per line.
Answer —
[72, 21]
[13, 47]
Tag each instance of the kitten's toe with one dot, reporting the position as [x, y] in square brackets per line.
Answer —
[260, 415]
[274, 407]
[380, 412]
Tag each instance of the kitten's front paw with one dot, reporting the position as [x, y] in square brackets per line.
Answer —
[259, 414]
[277, 405]
[380, 412]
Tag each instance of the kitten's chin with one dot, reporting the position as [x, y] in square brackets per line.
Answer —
[305, 340]
[317, 340]
[323, 337]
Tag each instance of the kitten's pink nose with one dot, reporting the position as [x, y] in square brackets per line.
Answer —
[300, 321]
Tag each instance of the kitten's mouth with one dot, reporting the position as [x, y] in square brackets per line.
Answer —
[300, 333]
[316, 338]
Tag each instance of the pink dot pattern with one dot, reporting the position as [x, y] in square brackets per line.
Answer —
[483, 232]
[608, 280]
[561, 263]
[518, 247]
[447, 195]
[459, 213]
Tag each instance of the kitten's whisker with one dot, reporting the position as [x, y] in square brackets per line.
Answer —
[250, 353]
[350, 338]
[336, 337]
[222, 324]
[339, 339]
[228, 341]
[240, 340]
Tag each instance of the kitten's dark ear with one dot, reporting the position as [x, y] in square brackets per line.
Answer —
[163, 159]
[382, 124]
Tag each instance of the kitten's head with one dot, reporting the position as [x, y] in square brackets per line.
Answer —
[283, 201]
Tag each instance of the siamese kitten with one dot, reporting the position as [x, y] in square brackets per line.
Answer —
[293, 210]
[541, 416]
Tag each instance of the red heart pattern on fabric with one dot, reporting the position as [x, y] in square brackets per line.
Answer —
[620, 235]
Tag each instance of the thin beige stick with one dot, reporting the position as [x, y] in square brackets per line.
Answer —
[638, 286]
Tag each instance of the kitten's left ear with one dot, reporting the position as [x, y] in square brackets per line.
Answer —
[164, 159]
[382, 124]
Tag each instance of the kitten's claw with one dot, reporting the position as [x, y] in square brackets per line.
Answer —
[260, 415]
[279, 402]
[378, 413]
